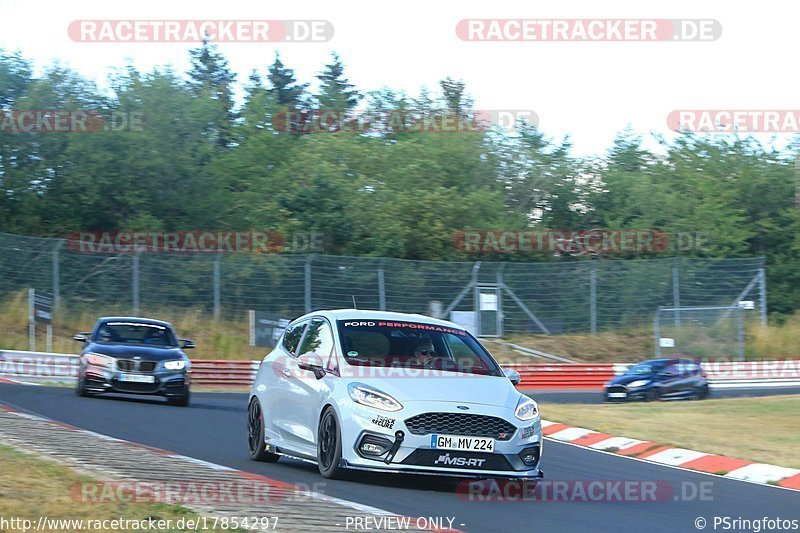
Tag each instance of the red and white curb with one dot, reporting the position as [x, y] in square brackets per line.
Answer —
[654, 452]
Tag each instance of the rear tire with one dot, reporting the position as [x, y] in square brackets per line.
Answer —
[701, 393]
[255, 434]
[329, 446]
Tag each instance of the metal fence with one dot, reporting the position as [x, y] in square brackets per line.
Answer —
[510, 297]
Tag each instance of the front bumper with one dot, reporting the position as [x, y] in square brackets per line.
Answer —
[168, 383]
[622, 393]
[414, 453]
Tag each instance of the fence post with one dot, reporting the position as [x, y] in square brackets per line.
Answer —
[381, 287]
[740, 333]
[676, 292]
[657, 332]
[307, 283]
[593, 299]
[217, 289]
[56, 275]
[135, 284]
[762, 295]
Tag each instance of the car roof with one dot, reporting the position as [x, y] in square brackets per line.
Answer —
[364, 314]
[134, 319]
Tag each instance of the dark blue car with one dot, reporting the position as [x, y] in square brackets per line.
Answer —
[134, 356]
[657, 379]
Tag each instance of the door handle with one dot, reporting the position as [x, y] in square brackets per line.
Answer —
[287, 372]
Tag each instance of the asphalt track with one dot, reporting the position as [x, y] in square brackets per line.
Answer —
[213, 429]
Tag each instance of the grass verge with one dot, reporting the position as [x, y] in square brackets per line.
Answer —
[764, 430]
[31, 487]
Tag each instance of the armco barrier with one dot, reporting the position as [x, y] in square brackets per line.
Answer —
[53, 367]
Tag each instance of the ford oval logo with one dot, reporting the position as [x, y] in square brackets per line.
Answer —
[462, 407]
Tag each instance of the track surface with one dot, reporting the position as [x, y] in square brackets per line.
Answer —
[213, 429]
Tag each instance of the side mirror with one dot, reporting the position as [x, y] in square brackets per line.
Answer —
[187, 344]
[311, 362]
[81, 337]
[512, 375]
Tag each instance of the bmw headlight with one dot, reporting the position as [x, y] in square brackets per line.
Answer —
[99, 359]
[527, 409]
[638, 383]
[372, 397]
[180, 364]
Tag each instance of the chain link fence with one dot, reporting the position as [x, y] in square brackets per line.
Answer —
[518, 297]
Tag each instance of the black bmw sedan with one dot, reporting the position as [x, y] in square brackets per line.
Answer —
[659, 379]
[134, 356]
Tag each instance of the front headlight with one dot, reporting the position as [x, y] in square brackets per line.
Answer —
[99, 359]
[527, 409]
[372, 397]
[175, 365]
[638, 383]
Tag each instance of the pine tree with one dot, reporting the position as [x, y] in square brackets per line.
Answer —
[336, 91]
[211, 77]
[285, 89]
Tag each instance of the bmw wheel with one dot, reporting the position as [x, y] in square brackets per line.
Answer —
[80, 388]
[182, 400]
[329, 446]
[255, 434]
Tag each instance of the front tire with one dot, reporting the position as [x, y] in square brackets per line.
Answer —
[180, 401]
[80, 389]
[653, 395]
[329, 446]
[255, 434]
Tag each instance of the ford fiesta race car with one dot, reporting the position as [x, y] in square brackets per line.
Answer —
[391, 392]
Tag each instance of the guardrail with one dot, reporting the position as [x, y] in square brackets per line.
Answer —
[53, 367]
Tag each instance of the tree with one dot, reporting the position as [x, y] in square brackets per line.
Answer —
[336, 91]
[285, 88]
[211, 78]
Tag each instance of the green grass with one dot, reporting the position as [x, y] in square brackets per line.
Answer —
[758, 429]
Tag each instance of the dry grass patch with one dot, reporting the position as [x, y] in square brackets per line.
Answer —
[765, 430]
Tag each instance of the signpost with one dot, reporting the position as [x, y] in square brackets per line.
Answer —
[266, 329]
[40, 311]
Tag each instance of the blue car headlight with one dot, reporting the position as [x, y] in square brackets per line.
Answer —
[98, 359]
[527, 409]
[638, 383]
[180, 364]
[372, 397]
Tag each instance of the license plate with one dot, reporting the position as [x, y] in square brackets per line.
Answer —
[137, 378]
[457, 442]
[617, 394]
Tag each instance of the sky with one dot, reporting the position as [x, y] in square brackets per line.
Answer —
[587, 90]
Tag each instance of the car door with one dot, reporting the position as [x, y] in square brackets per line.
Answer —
[670, 380]
[276, 369]
[302, 396]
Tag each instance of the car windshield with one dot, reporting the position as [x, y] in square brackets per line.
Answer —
[643, 368]
[135, 333]
[383, 343]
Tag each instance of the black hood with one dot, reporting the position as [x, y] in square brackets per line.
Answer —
[129, 351]
[624, 379]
